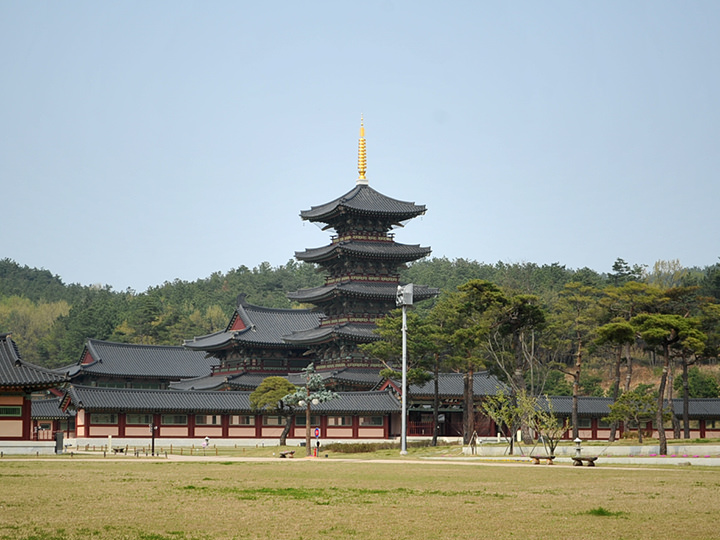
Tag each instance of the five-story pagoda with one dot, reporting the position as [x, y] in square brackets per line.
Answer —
[362, 263]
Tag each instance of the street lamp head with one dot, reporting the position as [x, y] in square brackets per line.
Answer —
[302, 403]
[316, 401]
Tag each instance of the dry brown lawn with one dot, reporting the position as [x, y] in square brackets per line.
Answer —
[66, 499]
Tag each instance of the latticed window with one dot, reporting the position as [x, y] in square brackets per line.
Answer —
[11, 411]
[242, 420]
[174, 419]
[103, 418]
[300, 420]
[138, 419]
[208, 420]
[274, 421]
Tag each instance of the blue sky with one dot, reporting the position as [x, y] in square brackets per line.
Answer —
[142, 142]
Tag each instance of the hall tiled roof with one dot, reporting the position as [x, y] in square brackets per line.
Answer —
[364, 250]
[699, 407]
[208, 382]
[137, 400]
[249, 380]
[132, 400]
[48, 409]
[600, 406]
[359, 289]
[18, 374]
[450, 385]
[381, 401]
[263, 327]
[361, 376]
[142, 361]
[587, 405]
[363, 199]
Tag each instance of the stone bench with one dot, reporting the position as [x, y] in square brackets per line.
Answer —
[578, 461]
[548, 459]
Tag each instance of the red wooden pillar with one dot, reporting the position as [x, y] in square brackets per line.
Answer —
[26, 419]
[122, 422]
[323, 427]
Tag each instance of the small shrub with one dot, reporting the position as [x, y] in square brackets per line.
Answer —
[367, 447]
[600, 511]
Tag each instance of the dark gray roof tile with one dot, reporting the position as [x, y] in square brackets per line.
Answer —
[364, 250]
[363, 199]
[264, 327]
[144, 361]
[353, 331]
[15, 373]
[113, 399]
[48, 409]
[365, 289]
[451, 385]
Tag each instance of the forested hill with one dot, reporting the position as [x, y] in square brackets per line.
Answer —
[51, 321]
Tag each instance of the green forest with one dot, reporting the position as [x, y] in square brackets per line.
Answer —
[541, 321]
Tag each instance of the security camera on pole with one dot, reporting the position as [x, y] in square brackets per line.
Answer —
[404, 299]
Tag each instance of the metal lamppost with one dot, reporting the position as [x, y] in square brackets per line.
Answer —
[314, 393]
[306, 403]
[404, 299]
[153, 429]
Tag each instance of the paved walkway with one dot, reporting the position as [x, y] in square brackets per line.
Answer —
[517, 460]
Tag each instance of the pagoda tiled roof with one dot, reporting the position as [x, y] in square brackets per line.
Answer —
[366, 289]
[48, 409]
[364, 250]
[363, 199]
[16, 373]
[176, 401]
[361, 333]
[142, 361]
[263, 327]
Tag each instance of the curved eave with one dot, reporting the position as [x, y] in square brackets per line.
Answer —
[360, 333]
[215, 343]
[211, 342]
[364, 250]
[384, 291]
[363, 200]
[31, 386]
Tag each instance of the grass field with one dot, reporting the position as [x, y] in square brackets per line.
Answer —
[64, 499]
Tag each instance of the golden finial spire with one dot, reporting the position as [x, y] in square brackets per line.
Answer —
[362, 155]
